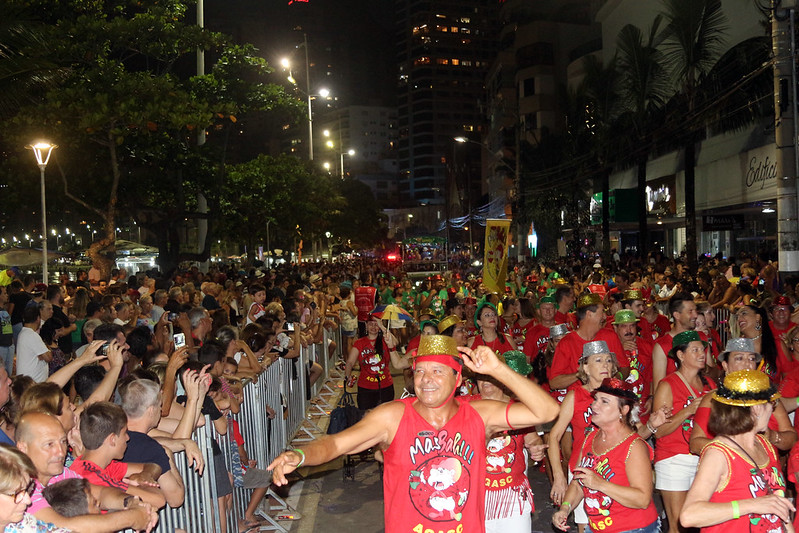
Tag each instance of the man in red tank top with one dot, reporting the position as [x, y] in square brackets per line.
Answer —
[434, 476]
[591, 317]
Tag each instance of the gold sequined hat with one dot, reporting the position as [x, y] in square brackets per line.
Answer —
[449, 321]
[633, 294]
[588, 299]
[430, 345]
[745, 388]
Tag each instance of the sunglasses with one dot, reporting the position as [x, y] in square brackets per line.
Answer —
[19, 495]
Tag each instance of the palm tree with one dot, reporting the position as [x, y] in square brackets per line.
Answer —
[692, 42]
[643, 85]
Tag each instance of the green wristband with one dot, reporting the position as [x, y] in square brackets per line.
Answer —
[736, 512]
[301, 454]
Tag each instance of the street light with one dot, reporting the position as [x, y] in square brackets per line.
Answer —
[324, 93]
[350, 153]
[42, 150]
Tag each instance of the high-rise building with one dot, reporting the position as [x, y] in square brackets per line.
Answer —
[444, 49]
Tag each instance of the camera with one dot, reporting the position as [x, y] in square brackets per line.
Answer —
[179, 339]
[172, 316]
[104, 349]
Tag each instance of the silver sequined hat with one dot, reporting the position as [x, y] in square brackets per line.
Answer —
[740, 344]
[558, 330]
[594, 348]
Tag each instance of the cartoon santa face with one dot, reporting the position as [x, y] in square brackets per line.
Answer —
[597, 504]
[501, 452]
[439, 489]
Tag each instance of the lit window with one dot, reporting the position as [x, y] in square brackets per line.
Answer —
[455, 61]
[442, 61]
[468, 127]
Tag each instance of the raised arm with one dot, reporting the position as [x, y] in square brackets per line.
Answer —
[89, 356]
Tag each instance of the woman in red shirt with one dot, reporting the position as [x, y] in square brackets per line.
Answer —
[486, 319]
[596, 363]
[372, 353]
[739, 486]
[613, 476]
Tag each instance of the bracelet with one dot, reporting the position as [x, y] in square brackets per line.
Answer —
[302, 456]
[567, 505]
[736, 512]
[797, 400]
[649, 426]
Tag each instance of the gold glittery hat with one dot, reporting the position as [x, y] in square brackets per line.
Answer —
[745, 388]
[437, 345]
[449, 321]
[633, 294]
[588, 299]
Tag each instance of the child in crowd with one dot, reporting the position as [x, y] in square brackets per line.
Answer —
[71, 497]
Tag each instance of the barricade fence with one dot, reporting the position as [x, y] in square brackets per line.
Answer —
[285, 388]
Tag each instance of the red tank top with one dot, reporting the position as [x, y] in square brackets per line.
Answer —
[375, 373]
[365, 301]
[676, 442]
[535, 341]
[507, 486]
[581, 421]
[742, 484]
[604, 513]
[641, 369]
[434, 480]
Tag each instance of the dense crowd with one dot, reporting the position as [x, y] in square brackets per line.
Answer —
[629, 382]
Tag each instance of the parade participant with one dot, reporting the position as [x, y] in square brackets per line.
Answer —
[435, 461]
[564, 296]
[591, 317]
[526, 322]
[375, 385]
[638, 351]
[486, 319]
[509, 498]
[597, 362]
[470, 310]
[657, 324]
[705, 323]
[613, 477]
[543, 360]
[455, 327]
[681, 392]
[740, 354]
[739, 485]
[752, 324]
[511, 310]
[426, 327]
[780, 322]
[682, 310]
[537, 337]
[365, 300]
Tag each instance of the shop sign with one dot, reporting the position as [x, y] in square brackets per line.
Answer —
[760, 170]
[722, 222]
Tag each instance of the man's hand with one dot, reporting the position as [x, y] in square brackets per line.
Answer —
[194, 456]
[90, 355]
[114, 353]
[144, 518]
[482, 360]
[141, 479]
[177, 360]
[285, 463]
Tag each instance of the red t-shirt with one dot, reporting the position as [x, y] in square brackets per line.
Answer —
[413, 346]
[434, 479]
[676, 442]
[570, 319]
[375, 373]
[499, 345]
[742, 484]
[110, 476]
[656, 329]
[581, 421]
[535, 341]
[365, 301]
[605, 514]
[570, 348]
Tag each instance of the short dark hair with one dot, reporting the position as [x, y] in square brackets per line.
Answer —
[561, 293]
[211, 352]
[30, 314]
[676, 301]
[100, 420]
[138, 340]
[68, 497]
[52, 291]
[581, 311]
[87, 379]
[729, 419]
[107, 332]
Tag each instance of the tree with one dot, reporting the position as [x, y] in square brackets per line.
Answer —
[643, 84]
[692, 42]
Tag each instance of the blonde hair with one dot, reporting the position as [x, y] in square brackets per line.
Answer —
[15, 466]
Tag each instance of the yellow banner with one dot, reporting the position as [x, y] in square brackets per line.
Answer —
[495, 260]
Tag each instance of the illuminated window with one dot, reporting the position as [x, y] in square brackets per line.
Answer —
[465, 20]
[455, 61]
[454, 29]
[442, 61]
[422, 61]
[468, 127]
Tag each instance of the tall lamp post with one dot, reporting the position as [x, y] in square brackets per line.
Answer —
[324, 93]
[42, 150]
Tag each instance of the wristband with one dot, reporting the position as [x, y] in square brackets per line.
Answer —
[797, 400]
[651, 428]
[567, 505]
[736, 512]
[302, 456]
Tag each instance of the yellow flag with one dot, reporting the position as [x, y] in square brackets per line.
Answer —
[495, 260]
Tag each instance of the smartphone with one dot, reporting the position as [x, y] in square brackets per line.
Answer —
[289, 326]
[180, 340]
[172, 317]
[104, 349]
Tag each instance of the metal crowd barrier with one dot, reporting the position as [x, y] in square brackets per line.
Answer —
[723, 325]
[284, 388]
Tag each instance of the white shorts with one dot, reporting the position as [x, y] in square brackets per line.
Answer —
[579, 512]
[676, 473]
[521, 523]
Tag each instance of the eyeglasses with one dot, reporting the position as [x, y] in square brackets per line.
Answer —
[19, 495]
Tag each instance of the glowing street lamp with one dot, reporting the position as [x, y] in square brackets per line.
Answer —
[42, 150]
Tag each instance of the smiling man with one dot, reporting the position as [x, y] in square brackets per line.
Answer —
[435, 461]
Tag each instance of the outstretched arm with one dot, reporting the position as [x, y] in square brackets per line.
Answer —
[535, 406]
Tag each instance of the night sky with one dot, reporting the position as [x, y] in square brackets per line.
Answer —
[354, 37]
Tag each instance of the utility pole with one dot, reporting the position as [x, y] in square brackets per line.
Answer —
[784, 49]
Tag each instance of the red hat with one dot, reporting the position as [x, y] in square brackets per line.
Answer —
[470, 301]
[781, 300]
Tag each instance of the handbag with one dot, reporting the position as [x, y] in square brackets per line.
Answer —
[345, 415]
